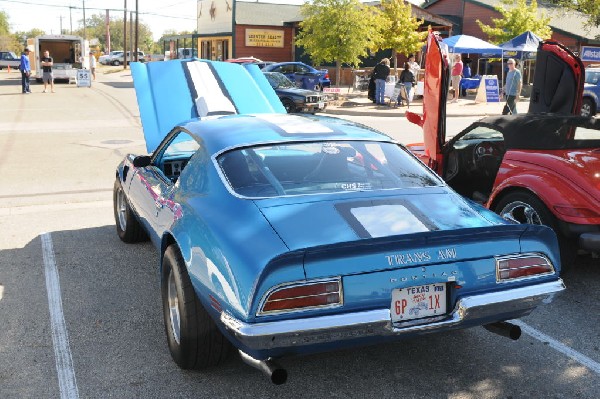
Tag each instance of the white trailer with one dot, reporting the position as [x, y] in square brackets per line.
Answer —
[68, 52]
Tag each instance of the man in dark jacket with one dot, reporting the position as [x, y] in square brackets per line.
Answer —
[381, 73]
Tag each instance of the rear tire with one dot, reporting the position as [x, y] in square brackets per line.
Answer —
[194, 340]
[525, 207]
[129, 228]
[588, 108]
[116, 63]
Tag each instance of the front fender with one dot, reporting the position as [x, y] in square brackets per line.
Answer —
[550, 188]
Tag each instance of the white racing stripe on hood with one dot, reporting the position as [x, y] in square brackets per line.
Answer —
[211, 99]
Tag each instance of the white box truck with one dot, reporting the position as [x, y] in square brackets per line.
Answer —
[68, 52]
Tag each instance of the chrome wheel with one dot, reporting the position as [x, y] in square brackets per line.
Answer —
[520, 212]
[587, 108]
[121, 209]
[174, 308]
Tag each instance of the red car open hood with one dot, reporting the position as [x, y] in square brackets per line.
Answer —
[435, 92]
[558, 81]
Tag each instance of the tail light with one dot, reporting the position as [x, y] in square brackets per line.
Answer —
[302, 296]
[522, 266]
[326, 75]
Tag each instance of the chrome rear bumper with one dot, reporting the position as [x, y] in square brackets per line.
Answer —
[469, 311]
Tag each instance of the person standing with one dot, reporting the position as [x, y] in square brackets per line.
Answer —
[413, 65]
[456, 76]
[25, 69]
[93, 65]
[381, 73]
[512, 88]
[407, 79]
[47, 77]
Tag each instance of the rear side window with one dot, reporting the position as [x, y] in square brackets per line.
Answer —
[322, 167]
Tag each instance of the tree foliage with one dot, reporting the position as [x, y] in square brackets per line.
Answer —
[4, 25]
[589, 7]
[95, 27]
[517, 17]
[402, 34]
[340, 31]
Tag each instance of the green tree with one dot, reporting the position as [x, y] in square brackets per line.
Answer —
[339, 31]
[589, 7]
[4, 25]
[402, 34]
[517, 17]
[95, 27]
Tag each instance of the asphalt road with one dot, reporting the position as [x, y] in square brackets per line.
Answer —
[79, 306]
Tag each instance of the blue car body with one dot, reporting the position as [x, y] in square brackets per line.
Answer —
[245, 246]
[591, 92]
[305, 76]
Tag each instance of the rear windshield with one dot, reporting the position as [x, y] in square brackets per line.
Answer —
[322, 167]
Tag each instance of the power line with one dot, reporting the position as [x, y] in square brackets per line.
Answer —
[96, 9]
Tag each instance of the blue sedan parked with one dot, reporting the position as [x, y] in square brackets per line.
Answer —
[591, 92]
[284, 234]
[305, 76]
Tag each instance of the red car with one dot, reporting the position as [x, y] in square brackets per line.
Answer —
[542, 167]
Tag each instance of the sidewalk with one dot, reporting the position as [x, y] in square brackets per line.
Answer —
[356, 103]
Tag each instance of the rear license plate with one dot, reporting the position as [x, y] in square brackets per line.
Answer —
[418, 302]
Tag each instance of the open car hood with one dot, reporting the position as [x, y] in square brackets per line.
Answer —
[175, 91]
[558, 81]
[435, 93]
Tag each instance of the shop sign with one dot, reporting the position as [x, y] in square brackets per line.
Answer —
[264, 38]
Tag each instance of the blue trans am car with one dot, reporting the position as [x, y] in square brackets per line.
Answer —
[285, 234]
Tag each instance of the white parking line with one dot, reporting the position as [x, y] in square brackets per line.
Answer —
[60, 337]
[562, 348]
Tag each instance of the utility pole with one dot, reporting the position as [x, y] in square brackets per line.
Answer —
[125, 35]
[61, 32]
[84, 32]
[71, 18]
[137, 31]
[131, 37]
[107, 32]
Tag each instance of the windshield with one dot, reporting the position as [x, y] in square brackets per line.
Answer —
[279, 80]
[592, 77]
[322, 167]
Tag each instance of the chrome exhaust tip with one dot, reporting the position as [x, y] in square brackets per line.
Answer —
[504, 329]
[276, 373]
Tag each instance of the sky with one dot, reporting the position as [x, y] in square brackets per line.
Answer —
[160, 15]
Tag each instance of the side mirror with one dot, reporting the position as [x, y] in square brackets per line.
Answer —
[141, 161]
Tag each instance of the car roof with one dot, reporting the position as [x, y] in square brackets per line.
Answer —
[221, 133]
[540, 131]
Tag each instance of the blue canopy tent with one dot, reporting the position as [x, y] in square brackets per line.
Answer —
[522, 47]
[472, 45]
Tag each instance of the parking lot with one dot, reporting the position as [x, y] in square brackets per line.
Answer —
[80, 311]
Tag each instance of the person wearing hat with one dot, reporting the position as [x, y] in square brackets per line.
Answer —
[93, 65]
[512, 88]
[25, 69]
